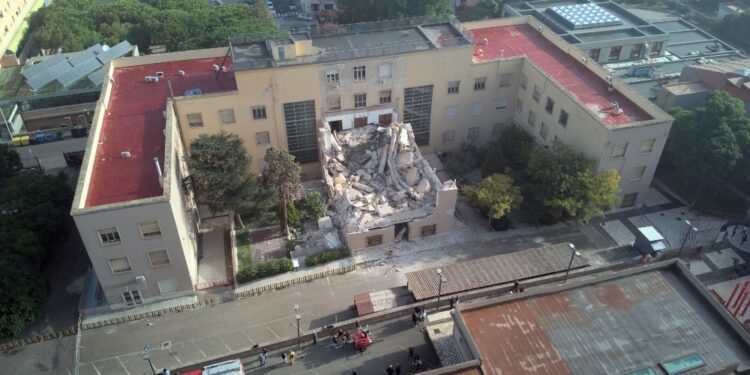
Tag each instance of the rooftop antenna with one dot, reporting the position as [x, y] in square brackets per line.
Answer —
[229, 50]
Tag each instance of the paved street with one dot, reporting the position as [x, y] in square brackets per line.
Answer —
[50, 155]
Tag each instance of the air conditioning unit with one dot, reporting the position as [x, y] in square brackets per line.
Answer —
[125, 154]
[381, 81]
[140, 279]
[152, 79]
[160, 74]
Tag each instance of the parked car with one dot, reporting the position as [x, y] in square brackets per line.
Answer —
[304, 17]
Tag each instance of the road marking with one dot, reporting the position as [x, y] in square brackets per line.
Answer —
[199, 349]
[123, 365]
[175, 355]
[95, 369]
[274, 333]
[248, 337]
[68, 370]
[225, 344]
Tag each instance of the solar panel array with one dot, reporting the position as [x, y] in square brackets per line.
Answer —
[584, 16]
[87, 63]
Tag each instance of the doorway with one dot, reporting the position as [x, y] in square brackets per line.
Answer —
[385, 119]
[336, 126]
[402, 231]
[360, 122]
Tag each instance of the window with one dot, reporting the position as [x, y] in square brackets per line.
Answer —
[375, 240]
[195, 120]
[385, 70]
[314, 7]
[450, 112]
[614, 53]
[543, 131]
[332, 78]
[448, 136]
[429, 230]
[360, 73]
[628, 200]
[619, 150]
[519, 106]
[537, 94]
[119, 265]
[497, 129]
[479, 84]
[637, 173]
[334, 103]
[506, 79]
[259, 112]
[360, 100]
[385, 119]
[167, 286]
[385, 96]
[656, 49]
[477, 108]
[594, 53]
[647, 146]
[682, 364]
[636, 51]
[473, 135]
[453, 87]
[227, 116]
[532, 118]
[501, 105]
[328, 6]
[262, 138]
[109, 236]
[563, 119]
[360, 122]
[550, 106]
[132, 297]
[150, 229]
[524, 81]
[158, 258]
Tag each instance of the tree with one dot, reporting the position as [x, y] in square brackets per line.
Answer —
[734, 29]
[282, 175]
[220, 171]
[373, 10]
[713, 138]
[483, 10]
[517, 146]
[496, 195]
[459, 163]
[494, 160]
[565, 184]
[312, 206]
[22, 290]
[10, 162]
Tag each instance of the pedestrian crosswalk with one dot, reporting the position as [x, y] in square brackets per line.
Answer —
[286, 14]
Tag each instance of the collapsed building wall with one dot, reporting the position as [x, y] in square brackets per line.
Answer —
[381, 187]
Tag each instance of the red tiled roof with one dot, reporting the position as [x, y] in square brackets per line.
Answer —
[134, 123]
[592, 90]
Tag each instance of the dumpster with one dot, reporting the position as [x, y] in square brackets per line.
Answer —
[50, 137]
[39, 138]
[16, 141]
[59, 136]
[24, 140]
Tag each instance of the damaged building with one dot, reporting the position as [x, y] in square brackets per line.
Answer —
[381, 187]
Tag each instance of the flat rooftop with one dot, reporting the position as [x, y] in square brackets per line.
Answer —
[134, 122]
[576, 78]
[614, 326]
[682, 88]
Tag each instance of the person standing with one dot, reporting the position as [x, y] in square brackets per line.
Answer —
[389, 370]
[263, 357]
[283, 357]
[744, 237]
[411, 352]
[414, 319]
[354, 372]
[398, 369]
[292, 356]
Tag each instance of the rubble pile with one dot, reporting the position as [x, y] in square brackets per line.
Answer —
[377, 176]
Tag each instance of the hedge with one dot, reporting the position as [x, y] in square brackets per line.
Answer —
[325, 256]
[265, 269]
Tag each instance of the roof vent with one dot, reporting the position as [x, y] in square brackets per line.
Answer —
[485, 41]
[216, 68]
[152, 79]
[223, 68]
[125, 154]
[160, 74]
[181, 73]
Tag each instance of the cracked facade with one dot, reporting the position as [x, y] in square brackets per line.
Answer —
[381, 187]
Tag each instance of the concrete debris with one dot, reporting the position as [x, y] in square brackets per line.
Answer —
[332, 240]
[325, 224]
[377, 177]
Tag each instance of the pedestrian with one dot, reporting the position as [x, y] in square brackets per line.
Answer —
[515, 286]
[414, 319]
[354, 372]
[389, 370]
[283, 357]
[414, 360]
[263, 357]
[411, 352]
[418, 363]
[744, 237]
[356, 324]
[734, 231]
[398, 369]
[454, 301]
[424, 315]
[292, 356]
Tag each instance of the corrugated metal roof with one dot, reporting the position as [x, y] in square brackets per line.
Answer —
[494, 270]
[608, 328]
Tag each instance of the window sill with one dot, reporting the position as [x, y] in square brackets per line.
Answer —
[161, 265]
[151, 236]
[111, 243]
[122, 273]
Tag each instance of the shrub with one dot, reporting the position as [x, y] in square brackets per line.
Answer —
[461, 162]
[326, 256]
[265, 269]
[311, 207]
[517, 146]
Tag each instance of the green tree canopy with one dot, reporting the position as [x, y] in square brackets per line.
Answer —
[494, 160]
[10, 162]
[713, 138]
[517, 146]
[282, 175]
[565, 184]
[374, 10]
[22, 290]
[735, 29]
[496, 195]
[220, 170]
[74, 25]
[483, 10]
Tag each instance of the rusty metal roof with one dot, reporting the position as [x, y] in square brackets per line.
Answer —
[494, 270]
[613, 327]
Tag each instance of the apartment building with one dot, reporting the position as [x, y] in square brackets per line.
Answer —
[453, 83]
[314, 7]
[12, 16]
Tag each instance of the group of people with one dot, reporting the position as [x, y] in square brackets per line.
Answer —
[418, 316]
[286, 358]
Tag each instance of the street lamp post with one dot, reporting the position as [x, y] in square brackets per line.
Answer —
[573, 253]
[298, 317]
[691, 228]
[441, 280]
[147, 357]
